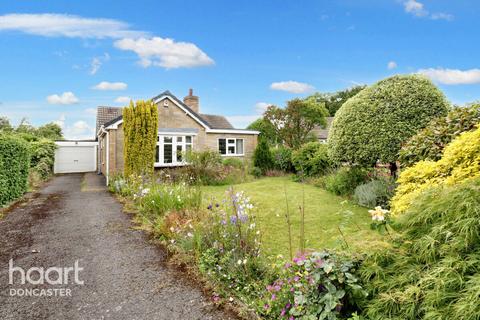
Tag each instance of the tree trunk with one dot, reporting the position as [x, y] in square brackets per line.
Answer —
[393, 169]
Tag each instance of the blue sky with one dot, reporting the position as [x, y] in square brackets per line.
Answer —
[61, 59]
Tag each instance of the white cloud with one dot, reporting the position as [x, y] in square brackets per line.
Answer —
[79, 130]
[452, 76]
[292, 86]
[64, 25]
[392, 65]
[165, 52]
[65, 98]
[441, 16]
[418, 9]
[261, 107]
[60, 121]
[105, 85]
[97, 63]
[123, 99]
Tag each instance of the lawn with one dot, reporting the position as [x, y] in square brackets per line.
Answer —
[324, 215]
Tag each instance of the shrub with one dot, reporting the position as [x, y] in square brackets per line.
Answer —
[344, 181]
[282, 159]
[262, 157]
[312, 159]
[374, 193]
[14, 165]
[433, 273]
[42, 157]
[233, 162]
[429, 143]
[460, 161]
[256, 172]
[322, 285]
[372, 125]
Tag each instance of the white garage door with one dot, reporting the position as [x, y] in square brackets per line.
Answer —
[71, 157]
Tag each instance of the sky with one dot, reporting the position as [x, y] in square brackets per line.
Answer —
[62, 59]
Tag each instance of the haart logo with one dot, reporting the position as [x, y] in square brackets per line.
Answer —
[54, 276]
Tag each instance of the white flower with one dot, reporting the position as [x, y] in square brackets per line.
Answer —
[230, 299]
[190, 235]
[172, 229]
[244, 261]
[239, 262]
[145, 191]
[378, 214]
[258, 232]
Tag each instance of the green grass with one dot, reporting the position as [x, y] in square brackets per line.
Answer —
[323, 216]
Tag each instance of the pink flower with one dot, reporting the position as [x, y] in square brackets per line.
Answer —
[274, 297]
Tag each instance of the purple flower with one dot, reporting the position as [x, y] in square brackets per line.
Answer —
[233, 219]
[217, 205]
[243, 218]
[266, 306]
[283, 312]
[209, 207]
[274, 297]
[223, 222]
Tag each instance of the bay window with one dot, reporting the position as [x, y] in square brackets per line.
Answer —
[170, 150]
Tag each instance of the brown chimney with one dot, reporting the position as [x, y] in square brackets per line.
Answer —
[192, 101]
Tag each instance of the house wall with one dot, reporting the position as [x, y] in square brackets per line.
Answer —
[171, 117]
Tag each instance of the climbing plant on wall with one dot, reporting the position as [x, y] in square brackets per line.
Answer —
[140, 128]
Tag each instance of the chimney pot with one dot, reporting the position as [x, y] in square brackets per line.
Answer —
[190, 92]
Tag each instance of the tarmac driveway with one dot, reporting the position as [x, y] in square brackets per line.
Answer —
[124, 277]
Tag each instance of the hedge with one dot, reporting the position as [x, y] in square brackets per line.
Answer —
[14, 165]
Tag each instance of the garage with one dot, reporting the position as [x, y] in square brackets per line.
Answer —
[75, 156]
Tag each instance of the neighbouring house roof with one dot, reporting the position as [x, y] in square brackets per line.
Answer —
[322, 133]
[107, 116]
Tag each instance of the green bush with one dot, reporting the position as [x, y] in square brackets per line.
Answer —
[282, 159]
[344, 181]
[14, 165]
[374, 193]
[372, 125]
[233, 162]
[429, 143]
[262, 157]
[42, 157]
[256, 172]
[433, 272]
[312, 159]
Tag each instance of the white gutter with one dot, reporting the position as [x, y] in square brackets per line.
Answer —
[239, 131]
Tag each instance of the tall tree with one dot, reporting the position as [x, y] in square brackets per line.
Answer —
[50, 131]
[5, 125]
[333, 101]
[267, 131]
[140, 121]
[294, 123]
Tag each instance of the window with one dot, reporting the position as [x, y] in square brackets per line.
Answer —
[230, 147]
[170, 150]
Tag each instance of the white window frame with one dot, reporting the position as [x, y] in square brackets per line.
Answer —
[174, 143]
[234, 144]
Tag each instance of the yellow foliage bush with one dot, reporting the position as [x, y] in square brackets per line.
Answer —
[460, 161]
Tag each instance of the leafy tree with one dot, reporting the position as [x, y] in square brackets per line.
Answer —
[140, 121]
[25, 127]
[262, 156]
[312, 159]
[294, 123]
[429, 143]
[372, 126]
[5, 125]
[333, 101]
[267, 131]
[50, 131]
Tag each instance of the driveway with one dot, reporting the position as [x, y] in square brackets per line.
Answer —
[124, 277]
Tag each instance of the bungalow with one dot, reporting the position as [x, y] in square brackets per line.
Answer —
[181, 127]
